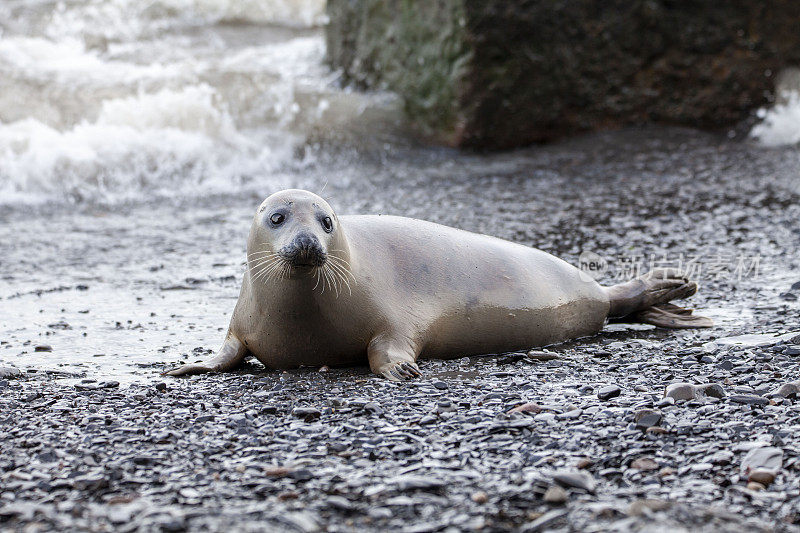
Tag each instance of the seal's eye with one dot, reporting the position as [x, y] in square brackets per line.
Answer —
[277, 218]
[327, 223]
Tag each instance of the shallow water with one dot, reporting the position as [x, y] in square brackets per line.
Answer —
[137, 139]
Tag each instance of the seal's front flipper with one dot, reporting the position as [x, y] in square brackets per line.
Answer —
[392, 360]
[229, 357]
[646, 299]
[672, 316]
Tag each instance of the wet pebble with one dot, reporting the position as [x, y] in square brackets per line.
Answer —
[608, 392]
[555, 495]
[578, 479]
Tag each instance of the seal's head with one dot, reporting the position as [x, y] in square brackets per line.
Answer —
[296, 235]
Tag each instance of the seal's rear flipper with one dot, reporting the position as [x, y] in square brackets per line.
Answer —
[646, 300]
[671, 316]
[230, 356]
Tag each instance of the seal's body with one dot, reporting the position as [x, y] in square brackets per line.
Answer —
[323, 290]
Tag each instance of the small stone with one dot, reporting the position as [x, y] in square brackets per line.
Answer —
[792, 350]
[766, 457]
[646, 418]
[762, 475]
[480, 497]
[301, 474]
[538, 355]
[277, 471]
[584, 463]
[555, 495]
[713, 390]
[9, 372]
[788, 390]
[608, 392]
[339, 502]
[722, 457]
[414, 482]
[190, 493]
[306, 413]
[575, 479]
[644, 463]
[665, 402]
[749, 399]
[681, 392]
[161, 387]
[545, 521]
[324, 368]
[441, 385]
[752, 485]
[43, 348]
[526, 408]
[637, 508]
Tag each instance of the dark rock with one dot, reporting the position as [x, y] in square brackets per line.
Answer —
[749, 399]
[306, 413]
[43, 348]
[762, 475]
[712, 389]
[498, 75]
[608, 392]
[647, 418]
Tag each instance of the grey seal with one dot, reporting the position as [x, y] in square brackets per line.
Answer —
[320, 289]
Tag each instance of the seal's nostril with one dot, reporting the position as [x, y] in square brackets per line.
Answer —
[305, 250]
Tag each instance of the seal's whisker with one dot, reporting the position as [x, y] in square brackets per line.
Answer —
[317, 283]
[265, 250]
[256, 271]
[328, 279]
[340, 273]
[256, 263]
[343, 273]
[267, 271]
[333, 254]
[343, 270]
[333, 279]
[337, 270]
[339, 260]
[262, 254]
[263, 273]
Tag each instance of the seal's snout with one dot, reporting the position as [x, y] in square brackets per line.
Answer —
[304, 251]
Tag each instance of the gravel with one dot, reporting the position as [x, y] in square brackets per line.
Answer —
[584, 437]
